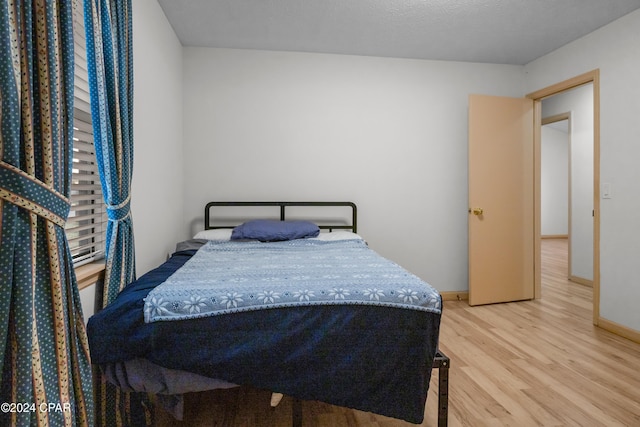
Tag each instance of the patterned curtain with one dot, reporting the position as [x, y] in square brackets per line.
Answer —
[110, 66]
[44, 355]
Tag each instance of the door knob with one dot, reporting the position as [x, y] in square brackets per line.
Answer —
[476, 211]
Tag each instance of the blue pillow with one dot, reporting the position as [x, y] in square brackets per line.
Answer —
[268, 230]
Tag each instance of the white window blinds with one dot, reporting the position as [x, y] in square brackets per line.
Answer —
[87, 222]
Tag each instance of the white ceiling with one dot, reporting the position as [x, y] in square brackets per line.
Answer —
[493, 31]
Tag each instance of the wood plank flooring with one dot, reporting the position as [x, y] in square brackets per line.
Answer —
[533, 363]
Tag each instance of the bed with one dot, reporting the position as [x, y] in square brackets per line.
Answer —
[308, 334]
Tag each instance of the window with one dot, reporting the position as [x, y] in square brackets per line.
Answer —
[87, 222]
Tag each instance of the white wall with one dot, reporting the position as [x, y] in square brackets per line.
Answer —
[87, 300]
[388, 134]
[615, 50]
[579, 103]
[156, 194]
[554, 186]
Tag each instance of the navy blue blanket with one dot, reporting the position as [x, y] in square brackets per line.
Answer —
[372, 358]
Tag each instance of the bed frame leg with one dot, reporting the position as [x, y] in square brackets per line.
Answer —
[296, 410]
[442, 362]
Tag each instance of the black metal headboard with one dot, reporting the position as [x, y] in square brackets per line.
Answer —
[283, 205]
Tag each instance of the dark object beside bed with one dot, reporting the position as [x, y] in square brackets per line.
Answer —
[372, 358]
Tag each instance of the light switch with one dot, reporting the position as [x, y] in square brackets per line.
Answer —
[606, 190]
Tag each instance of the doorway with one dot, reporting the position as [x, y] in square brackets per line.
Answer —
[555, 194]
[592, 79]
[555, 185]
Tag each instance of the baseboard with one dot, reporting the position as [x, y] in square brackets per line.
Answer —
[455, 296]
[618, 329]
[554, 236]
[581, 281]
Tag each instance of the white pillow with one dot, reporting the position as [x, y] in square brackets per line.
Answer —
[214, 234]
[338, 235]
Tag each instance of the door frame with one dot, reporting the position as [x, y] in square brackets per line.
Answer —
[537, 97]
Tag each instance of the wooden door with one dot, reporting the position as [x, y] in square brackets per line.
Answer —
[501, 199]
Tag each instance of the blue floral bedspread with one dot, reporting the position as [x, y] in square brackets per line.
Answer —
[228, 277]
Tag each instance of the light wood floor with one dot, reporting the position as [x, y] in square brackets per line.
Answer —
[534, 363]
